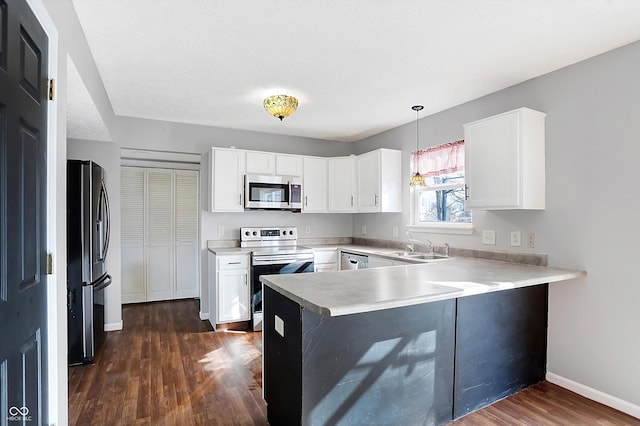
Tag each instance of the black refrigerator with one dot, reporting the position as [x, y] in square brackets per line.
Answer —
[87, 246]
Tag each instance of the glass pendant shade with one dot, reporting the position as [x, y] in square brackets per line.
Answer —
[280, 106]
[417, 180]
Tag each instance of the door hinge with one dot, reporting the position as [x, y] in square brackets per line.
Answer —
[49, 263]
[52, 89]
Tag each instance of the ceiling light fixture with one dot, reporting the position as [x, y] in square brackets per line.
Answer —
[280, 106]
[417, 179]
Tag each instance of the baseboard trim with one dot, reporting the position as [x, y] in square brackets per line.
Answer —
[594, 394]
[204, 315]
[113, 326]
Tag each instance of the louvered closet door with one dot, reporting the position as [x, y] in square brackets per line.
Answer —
[160, 271]
[186, 233]
[132, 184]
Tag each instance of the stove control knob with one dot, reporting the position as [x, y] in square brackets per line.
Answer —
[255, 233]
[247, 233]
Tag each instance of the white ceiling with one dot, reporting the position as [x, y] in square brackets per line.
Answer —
[356, 66]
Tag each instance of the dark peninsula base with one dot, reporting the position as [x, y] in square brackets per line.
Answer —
[420, 364]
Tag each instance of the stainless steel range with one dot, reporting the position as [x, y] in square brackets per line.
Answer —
[274, 251]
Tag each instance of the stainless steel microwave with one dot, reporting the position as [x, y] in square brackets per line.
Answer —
[267, 192]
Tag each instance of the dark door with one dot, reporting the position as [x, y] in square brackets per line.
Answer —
[23, 130]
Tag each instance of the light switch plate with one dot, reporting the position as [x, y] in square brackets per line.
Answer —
[307, 229]
[364, 229]
[220, 231]
[489, 237]
[279, 325]
[395, 231]
[516, 238]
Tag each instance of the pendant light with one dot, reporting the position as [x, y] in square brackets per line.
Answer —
[417, 179]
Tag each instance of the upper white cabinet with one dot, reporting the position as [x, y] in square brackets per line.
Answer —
[379, 181]
[505, 161]
[314, 185]
[226, 179]
[370, 182]
[268, 163]
[263, 163]
[288, 165]
[342, 185]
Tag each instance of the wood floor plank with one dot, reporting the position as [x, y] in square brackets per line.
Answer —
[167, 367]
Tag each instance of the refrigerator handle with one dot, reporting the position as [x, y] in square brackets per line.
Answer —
[106, 280]
[105, 230]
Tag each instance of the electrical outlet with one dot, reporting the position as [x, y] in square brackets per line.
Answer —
[307, 229]
[395, 231]
[220, 231]
[531, 240]
[489, 237]
[516, 237]
[279, 325]
[364, 229]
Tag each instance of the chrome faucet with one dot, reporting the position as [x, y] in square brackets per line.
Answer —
[413, 241]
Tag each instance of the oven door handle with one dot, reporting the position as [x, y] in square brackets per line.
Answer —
[273, 260]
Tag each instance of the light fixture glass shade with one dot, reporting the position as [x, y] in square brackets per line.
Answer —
[280, 106]
[417, 180]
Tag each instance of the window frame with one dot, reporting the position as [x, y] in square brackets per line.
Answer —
[440, 227]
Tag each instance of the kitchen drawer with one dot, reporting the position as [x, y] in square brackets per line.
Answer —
[325, 267]
[325, 256]
[235, 261]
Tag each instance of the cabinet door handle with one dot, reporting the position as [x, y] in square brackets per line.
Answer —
[240, 198]
[306, 201]
[352, 201]
[233, 263]
[375, 202]
[466, 192]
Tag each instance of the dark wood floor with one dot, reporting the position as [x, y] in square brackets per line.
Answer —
[169, 368]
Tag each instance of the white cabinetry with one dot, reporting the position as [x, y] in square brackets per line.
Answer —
[229, 288]
[505, 161]
[226, 179]
[342, 184]
[325, 260]
[314, 185]
[263, 163]
[268, 163]
[379, 181]
[288, 165]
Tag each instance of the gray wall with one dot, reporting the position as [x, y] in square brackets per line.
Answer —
[592, 169]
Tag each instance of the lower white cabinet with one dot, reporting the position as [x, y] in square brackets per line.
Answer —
[325, 260]
[229, 288]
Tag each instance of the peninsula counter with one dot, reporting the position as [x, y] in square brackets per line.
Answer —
[415, 344]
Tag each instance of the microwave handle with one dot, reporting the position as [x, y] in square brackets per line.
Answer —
[289, 197]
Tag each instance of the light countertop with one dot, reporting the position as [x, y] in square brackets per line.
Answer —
[350, 292]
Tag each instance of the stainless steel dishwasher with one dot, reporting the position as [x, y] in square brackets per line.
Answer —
[350, 260]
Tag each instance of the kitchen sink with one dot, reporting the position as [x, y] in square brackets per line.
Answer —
[417, 255]
[426, 256]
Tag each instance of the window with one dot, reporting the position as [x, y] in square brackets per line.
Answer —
[440, 203]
